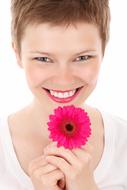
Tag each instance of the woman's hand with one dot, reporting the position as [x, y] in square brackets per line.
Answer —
[76, 165]
[45, 176]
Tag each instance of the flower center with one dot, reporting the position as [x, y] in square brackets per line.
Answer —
[69, 127]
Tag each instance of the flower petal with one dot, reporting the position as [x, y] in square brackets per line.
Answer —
[76, 117]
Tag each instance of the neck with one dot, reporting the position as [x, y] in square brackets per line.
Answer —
[39, 116]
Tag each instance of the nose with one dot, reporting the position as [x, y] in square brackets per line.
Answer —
[64, 74]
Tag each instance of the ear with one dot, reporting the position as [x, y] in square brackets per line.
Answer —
[17, 54]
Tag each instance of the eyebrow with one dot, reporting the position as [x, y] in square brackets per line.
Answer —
[50, 54]
[87, 51]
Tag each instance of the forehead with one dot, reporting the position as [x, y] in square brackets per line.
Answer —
[46, 35]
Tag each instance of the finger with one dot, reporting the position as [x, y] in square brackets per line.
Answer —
[88, 147]
[52, 177]
[66, 154]
[44, 170]
[82, 155]
[36, 163]
[59, 163]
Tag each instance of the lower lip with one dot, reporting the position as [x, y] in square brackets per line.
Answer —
[64, 100]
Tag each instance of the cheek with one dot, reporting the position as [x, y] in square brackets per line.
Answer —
[35, 76]
[91, 75]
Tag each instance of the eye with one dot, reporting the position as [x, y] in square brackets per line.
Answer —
[43, 59]
[83, 58]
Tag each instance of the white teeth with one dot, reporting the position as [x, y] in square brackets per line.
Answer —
[66, 94]
[62, 95]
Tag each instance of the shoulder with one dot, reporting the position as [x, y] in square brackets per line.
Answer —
[117, 127]
[3, 125]
[116, 139]
[3, 132]
[2, 153]
[114, 120]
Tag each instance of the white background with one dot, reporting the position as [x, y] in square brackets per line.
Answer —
[111, 91]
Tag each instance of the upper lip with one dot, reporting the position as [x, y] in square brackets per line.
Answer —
[65, 90]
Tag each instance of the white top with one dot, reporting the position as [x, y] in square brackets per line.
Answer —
[110, 174]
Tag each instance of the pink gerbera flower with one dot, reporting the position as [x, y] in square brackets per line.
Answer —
[69, 127]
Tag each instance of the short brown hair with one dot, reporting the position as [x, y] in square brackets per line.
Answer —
[59, 12]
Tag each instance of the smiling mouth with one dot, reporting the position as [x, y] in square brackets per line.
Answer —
[63, 96]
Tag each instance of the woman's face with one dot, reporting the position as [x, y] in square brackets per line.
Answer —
[61, 63]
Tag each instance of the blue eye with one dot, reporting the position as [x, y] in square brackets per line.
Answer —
[84, 58]
[43, 59]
